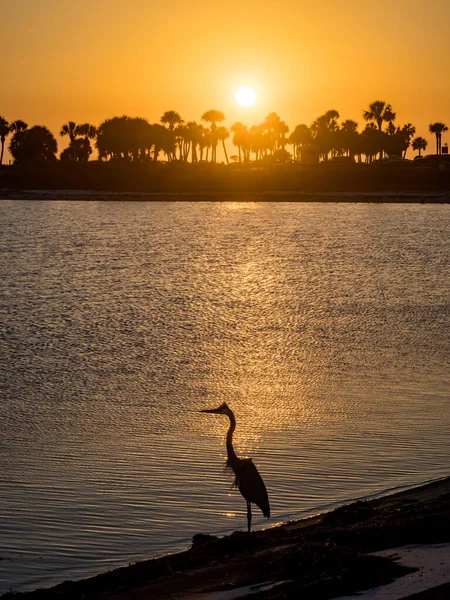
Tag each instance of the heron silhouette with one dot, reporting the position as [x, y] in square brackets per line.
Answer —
[247, 478]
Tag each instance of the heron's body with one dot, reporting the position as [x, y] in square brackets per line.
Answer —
[247, 478]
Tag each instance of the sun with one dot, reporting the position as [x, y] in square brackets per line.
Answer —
[246, 96]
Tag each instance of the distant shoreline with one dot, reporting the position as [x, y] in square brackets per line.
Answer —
[230, 196]
[296, 183]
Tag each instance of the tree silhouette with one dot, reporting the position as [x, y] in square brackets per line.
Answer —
[125, 138]
[193, 135]
[171, 118]
[78, 151]
[69, 129]
[241, 139]
[379, 112]
[300, 138]
[372, 141]
[419, 143]
[324, 130]
[86, 130]
[258, 141]
[17, 126]
[348, 136]
[222, 135]
[408, 131]
[4, 132]
[160, 139]
[213, 117]
[134, 139]
[276, 130]
[35, 145]
[438, 129]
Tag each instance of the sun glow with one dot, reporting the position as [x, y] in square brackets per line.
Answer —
[246, 96]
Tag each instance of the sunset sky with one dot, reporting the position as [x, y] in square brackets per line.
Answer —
[88, 60]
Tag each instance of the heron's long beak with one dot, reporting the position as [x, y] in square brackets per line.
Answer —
[215, 411]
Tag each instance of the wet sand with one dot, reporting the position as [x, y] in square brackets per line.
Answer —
[325, 556]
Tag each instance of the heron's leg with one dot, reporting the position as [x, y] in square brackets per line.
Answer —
[249, 516]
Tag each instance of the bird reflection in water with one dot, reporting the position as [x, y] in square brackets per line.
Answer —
[247, 478]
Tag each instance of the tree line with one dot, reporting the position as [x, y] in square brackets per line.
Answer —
[135, 139]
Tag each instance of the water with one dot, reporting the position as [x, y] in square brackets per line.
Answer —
[324, 326]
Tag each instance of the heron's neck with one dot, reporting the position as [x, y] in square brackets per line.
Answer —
[232, 458]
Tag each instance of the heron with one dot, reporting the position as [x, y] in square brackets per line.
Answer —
[247, 477]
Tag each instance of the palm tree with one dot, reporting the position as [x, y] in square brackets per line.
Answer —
[69, 129]
[237, 129]
[171, 118]
[280, 131]
[205, 142]
[348, 135]
[36, 144]
[240, 139]
[259, 142]
[223, 134]
[438, 129]
[17, 126]
[125, 137]
[160, 139]
[379, 112]
[79, 151]
[299, 138]
[193, 135]
[371, 141]
[4, 132]
[419, 143]
[86, 130]
[407, 131]
[324, 129]
[213, 117]
[6, 129]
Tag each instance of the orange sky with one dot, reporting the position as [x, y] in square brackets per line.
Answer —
[87, 60]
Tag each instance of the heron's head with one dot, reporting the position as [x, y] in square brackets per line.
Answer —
[220, 410]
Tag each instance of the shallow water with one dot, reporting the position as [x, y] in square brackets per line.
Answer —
[324, 326]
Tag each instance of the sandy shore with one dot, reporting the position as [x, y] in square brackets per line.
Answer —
[326, 556]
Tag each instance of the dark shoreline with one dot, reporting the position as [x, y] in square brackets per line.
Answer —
[320, 557]
[146, 181]
[271, 196]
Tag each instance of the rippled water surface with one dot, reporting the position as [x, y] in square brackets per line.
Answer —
[324, 326]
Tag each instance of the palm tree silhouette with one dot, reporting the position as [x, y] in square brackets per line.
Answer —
[17, 126]
[79, 151]
[222, 135]
[4, 132]
[300, 138]
[241, 140]
[86, 130]
[348, 135]
[407, 131]
[379, 112]
[213, 117]
[171, 118]
[438, 129]
[324, 129]
[35, 145]
[419, 143]
[69, 129]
